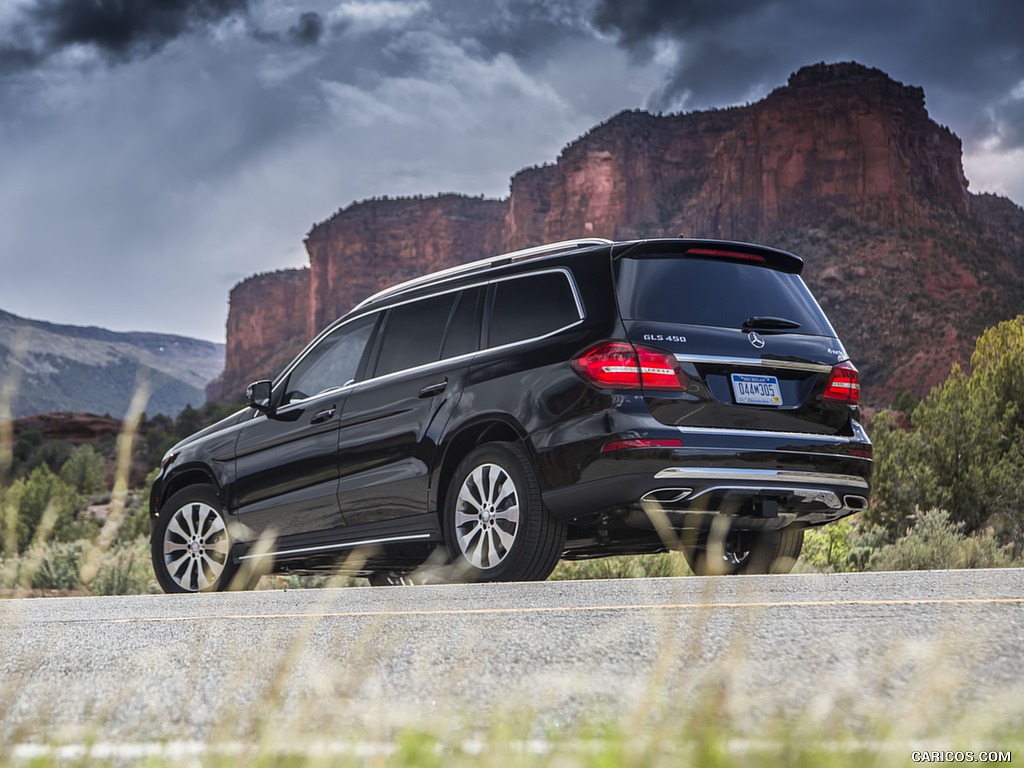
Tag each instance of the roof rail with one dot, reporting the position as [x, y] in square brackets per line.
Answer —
[473, 266]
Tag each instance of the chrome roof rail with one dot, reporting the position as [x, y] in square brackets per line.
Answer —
[473, 266]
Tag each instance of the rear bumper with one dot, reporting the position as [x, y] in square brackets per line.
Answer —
[762, 480]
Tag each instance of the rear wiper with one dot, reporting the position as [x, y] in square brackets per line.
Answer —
[767, 323]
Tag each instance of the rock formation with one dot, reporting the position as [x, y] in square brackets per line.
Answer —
[842, 165]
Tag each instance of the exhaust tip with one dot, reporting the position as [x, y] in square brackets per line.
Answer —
[856, 503]
[666, 495]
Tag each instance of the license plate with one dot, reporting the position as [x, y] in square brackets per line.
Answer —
[756, 390]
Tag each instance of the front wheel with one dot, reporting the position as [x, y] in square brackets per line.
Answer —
[716, 553]
[496, 527]
[190, 543]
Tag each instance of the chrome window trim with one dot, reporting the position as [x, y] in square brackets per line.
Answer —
[768, 433]
[538, 253]
[577, 299]
[344, 545]
[756, 362]
[755, 475]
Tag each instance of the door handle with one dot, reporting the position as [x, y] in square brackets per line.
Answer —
[434, 389]
[323, 416]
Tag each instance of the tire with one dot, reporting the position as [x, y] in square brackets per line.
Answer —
[496, 527]
[191, 546]
[744, 551]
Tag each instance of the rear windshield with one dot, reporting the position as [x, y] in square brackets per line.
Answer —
[673, 289]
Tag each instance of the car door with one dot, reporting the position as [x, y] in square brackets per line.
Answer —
[286, 463]
[391, 421]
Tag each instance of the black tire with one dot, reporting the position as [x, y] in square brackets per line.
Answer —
[191, 546]
[496, 527]
[744, 551]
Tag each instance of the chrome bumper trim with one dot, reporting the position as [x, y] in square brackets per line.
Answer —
[766, 433]
[759, 475]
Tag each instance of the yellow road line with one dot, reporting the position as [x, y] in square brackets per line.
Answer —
[583, 609]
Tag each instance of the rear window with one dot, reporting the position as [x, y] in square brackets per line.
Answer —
[673, 289]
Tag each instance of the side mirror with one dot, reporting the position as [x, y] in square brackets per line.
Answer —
[258, 394]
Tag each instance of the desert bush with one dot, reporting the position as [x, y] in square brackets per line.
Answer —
[26, 502]
[125, 570]
[936, 541]
[58, 566]
[622, 567]
[83, 470]
[964, 451]
[828, 548]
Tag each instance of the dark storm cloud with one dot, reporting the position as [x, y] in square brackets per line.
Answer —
[121, 29]
[308, 30]
[729, 51]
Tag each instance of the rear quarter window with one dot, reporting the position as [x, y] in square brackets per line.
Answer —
[715, 292]
[531, 306]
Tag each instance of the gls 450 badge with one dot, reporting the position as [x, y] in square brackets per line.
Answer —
[664, 337]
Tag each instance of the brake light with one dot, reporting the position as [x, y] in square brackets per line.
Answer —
[617, 365]
[727, 254]
[626, 445]
[843, 385]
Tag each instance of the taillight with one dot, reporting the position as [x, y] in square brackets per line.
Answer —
[633, 444]
[617, 365]
[843, 385]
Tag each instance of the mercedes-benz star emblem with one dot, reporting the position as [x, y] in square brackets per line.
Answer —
[756, 340]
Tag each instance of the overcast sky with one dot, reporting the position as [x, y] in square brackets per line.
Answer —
[155, 152]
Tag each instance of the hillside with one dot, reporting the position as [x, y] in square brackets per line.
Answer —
[92, 370]
[842, 165]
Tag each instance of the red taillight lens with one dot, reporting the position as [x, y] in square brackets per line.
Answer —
[617, 365]
[628, 445]
[611, 365]
[843, 385]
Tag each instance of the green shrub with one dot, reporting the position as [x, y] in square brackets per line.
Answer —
[83, 470]
[125, 570]
[622, 567]
[937, 542]
[828, 548]
[32, 497]
[58, 566]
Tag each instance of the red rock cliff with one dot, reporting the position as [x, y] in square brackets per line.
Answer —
[841, 165]
[267, 320]
[371, 245]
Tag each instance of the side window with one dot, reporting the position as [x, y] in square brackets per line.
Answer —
[464, 328]
[531, 306]
[413, 334]
[331, 363]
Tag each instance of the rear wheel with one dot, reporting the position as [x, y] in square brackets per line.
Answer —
[496, 527]
[729, 552]
[190, 543]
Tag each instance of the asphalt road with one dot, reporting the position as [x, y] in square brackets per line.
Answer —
[905, 648]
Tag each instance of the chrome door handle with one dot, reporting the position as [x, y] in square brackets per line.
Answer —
[323, 416]
[434, 389]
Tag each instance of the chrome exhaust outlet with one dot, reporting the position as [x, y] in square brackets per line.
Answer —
[856, 503]
[666, 495]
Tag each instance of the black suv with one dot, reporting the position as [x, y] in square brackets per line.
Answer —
[575, 400]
